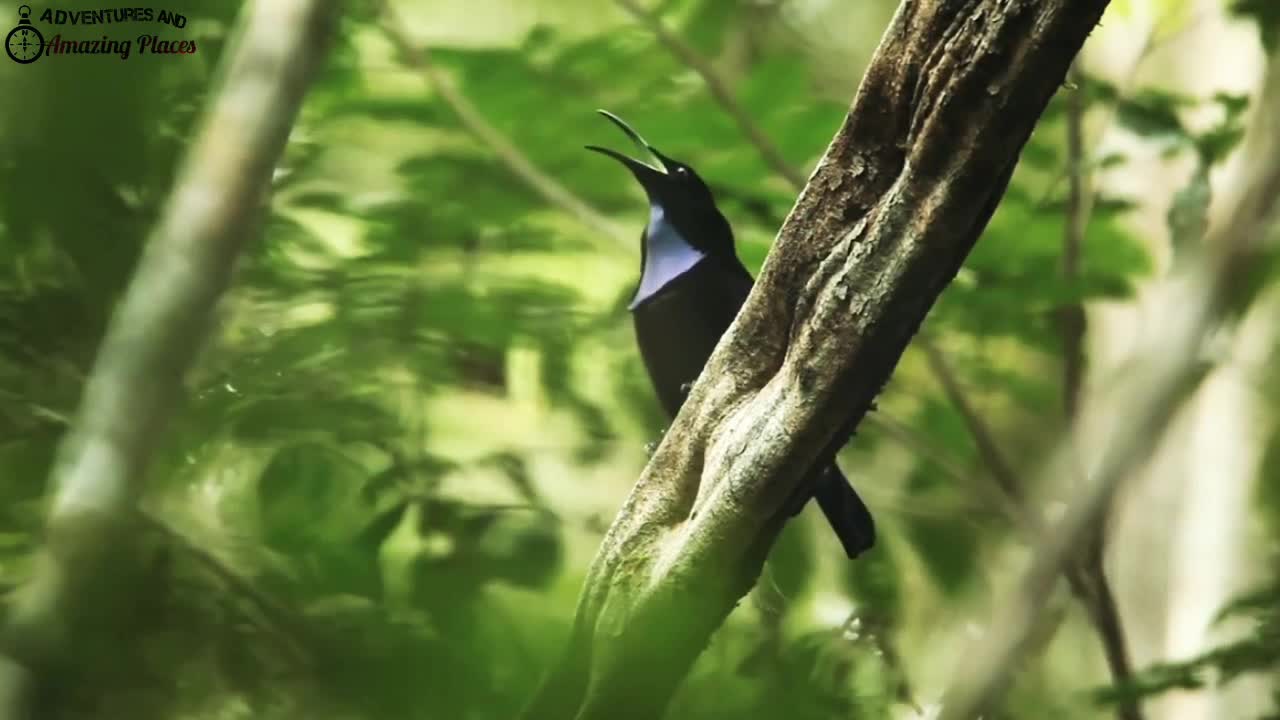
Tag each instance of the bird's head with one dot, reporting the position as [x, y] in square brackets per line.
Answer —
[673, 187]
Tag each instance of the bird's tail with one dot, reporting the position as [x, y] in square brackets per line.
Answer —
[845, 511]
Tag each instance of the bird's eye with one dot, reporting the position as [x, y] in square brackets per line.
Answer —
[682, 170]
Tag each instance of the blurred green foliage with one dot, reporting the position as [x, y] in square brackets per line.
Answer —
[423, 403]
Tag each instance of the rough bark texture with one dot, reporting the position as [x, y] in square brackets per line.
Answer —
[904, 191]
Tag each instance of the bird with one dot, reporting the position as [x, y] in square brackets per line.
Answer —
[691, 286]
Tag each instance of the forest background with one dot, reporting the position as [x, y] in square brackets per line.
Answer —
[422, 404]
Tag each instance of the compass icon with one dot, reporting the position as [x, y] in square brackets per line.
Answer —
[24, 43]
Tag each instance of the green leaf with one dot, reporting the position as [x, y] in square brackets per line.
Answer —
[304, 495]
[1188, 215]
[1112, 160]
[1153, 113]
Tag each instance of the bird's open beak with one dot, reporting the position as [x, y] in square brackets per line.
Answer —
[642, 170]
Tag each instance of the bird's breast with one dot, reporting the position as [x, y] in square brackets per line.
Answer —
[678, 327]
[668, 255]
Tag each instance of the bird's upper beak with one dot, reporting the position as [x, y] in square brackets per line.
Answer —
[646, 173]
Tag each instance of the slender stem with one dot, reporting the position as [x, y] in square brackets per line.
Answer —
[719, 89]
[276, 619]
[1088, 577]
[1150, 43]
[1077, 218]
[518, 163]
[1001, 471]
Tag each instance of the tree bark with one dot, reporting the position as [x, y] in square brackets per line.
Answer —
[892, 210]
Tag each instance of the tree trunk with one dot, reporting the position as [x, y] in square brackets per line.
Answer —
[901, 196]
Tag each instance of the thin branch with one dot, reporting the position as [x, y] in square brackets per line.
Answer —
[1088, 576]
[923, 448]
[719, 89]
[277, 620]
[155, 335]
[507, 153]
[37, 410]
[1001, 471]
[1077, 219]
[1150, 44]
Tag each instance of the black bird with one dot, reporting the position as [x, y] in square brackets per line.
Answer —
[691, 287]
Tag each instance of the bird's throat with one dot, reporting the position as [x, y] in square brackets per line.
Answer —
[667, 255]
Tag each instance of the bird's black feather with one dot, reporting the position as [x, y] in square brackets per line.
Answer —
[691, 287]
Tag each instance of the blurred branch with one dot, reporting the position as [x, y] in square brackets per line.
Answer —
[719, 89]
[37, 410]
[276, 619]
[1145, 397]
[154, 337]
[1088, 575]
[1000, 469]
[1077, 219]
[508, 154]
[922, 448]
[945, 107]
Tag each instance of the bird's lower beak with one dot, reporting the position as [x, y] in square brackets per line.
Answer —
[642, 170]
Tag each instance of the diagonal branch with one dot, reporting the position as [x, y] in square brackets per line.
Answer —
[991, 454]
[154, 338]
[506, 151]
[1085, 577]
[1001, 472]
[906, 188]
[1089, 581]
[719, 90]
[923, 448]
